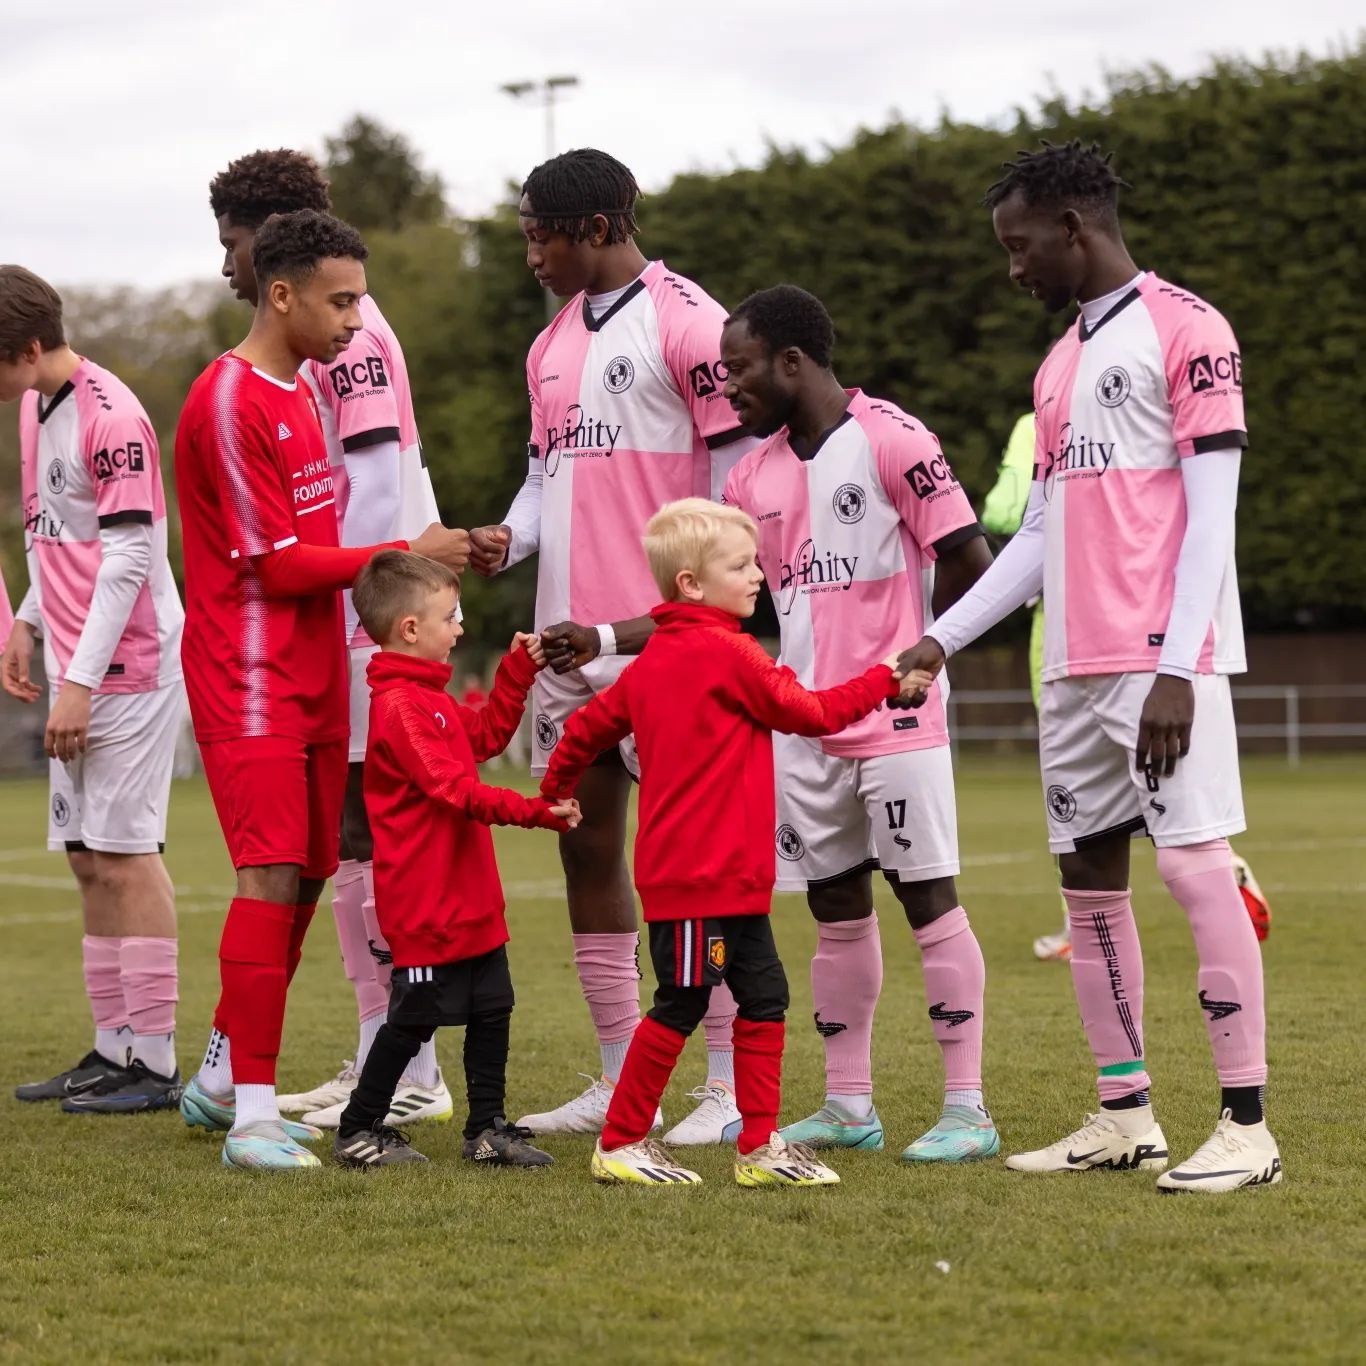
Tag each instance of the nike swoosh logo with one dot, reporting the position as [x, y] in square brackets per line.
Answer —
[75, 1088]
[1082, 1157]
[1209, 1176]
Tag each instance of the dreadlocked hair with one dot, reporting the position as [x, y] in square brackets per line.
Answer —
[262, 183]
[568, 191]
[1067, 173]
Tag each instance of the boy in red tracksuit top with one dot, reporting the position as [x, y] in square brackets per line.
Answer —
[437, 893]
[703, 701]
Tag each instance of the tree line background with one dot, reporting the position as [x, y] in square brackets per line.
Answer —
[1249, 188]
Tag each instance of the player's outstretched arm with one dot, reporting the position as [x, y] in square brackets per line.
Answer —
[518, 535]
[604, 722]
[569, 646]
[490, 728]
[1015, 576]
[776, 700]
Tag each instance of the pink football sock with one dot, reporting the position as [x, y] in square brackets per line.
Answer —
[1107, 975]
[100, 958]
[348, 900]
[150, 987]
[846, 981]
[1200, 877]
[719, 1026]
[606, 964]
[955, 983]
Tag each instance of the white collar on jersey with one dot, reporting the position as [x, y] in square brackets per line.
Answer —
[1093, 310]
[598, 304]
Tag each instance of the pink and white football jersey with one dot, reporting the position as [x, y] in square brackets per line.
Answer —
[624, 410]
[88, 458]
[366, 404]
[847, 539]
[1117, 409]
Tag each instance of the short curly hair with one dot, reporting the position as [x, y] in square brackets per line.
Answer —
[784, 316]
[289, 246]
[262, 183]
[1066, 174]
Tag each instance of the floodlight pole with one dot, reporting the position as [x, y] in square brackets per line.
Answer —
[546, 90]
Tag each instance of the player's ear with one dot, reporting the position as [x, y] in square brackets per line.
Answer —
[1071, 225]
[601, 228]
[280, 293]
[407, 629]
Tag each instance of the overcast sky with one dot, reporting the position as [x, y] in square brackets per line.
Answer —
[118, 115]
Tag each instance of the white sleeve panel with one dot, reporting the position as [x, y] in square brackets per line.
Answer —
[1211, 484]
[524, 516]
[125, 559]
[1015, 576]
[725, 458]
[373, 501]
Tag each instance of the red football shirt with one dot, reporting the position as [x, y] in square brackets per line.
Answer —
[252, 478]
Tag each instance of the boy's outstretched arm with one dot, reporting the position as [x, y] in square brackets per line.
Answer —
[604, 722]
[414, 736]
[774, 698]
[490, 728]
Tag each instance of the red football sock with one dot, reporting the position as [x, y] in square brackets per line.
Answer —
[254, 954]
[758, 1079]
[649, 1064]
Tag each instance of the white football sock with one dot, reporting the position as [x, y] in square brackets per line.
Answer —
[113, 1044]
[215, 1072]
[613, 1058]
[256, 1104]
[156, 1052]
[369, 1032]
[721, 1066]
[423, 1071]
[856, 1108]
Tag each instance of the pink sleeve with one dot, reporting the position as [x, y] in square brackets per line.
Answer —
[921, 483]
[1204, 381]
[121, 449]
[358, 388]
[690, 326]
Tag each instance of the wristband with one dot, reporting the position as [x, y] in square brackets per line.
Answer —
[607, 638]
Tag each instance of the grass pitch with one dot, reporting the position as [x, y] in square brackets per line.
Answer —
[124, 1240]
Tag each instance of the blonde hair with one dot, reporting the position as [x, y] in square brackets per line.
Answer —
[393, 584]
[683, 535]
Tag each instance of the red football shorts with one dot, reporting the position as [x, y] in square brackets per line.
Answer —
[279, 800]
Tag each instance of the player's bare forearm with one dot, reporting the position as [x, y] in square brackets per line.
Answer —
[633, 634]
[956, 570]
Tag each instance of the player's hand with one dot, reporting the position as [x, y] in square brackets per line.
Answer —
[567, 809]
[531, 643]
[915, 686]
[489, 549]
[569, 646]
[16, 663]
[445, 545]
[1164, 728]
[925, 656]
[68, 723]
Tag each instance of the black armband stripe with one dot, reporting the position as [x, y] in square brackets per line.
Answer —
[962, 536]
[726, 438]
[362, 441]
[128, 517]
[1219, 441]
